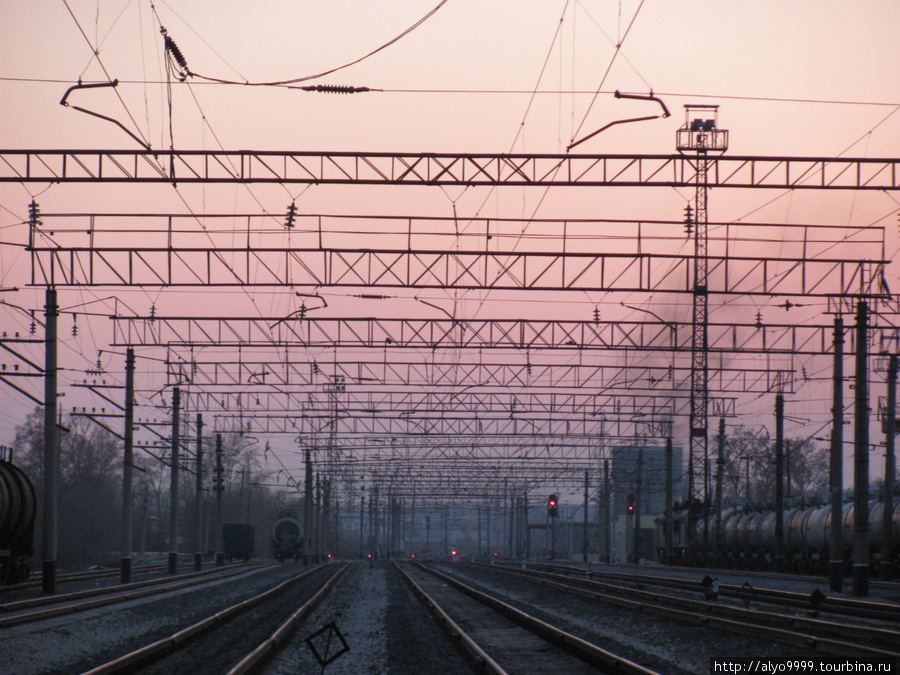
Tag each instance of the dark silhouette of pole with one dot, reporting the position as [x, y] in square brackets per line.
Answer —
[670, 525]
[362, 522]
[836, 475]
[779, 484]
[220, 489]
[585, 547]
[317, 519]
[307, 507]
[887, 521]
[51, 446]
[607, 516]
[128, 470]
[718, 538]
[636, 525]
[746, 459]
[861, 455]
[173, 485]
[198, 556]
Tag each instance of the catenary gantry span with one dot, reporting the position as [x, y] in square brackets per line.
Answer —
[260, 375]
[486, 334]
[417, 252]
[247, 166]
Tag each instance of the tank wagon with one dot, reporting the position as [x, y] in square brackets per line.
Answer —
[18, 503]
[287, 536]
[749, 536]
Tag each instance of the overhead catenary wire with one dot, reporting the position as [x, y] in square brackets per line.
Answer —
[316, 76]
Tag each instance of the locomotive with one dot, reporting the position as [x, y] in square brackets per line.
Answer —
[748, 536]
[287, 536]
[18, 503]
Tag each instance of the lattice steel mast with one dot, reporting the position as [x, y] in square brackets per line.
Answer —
[701, 135]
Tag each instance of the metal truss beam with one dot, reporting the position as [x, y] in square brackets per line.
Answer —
[379, 402]
[342, 168]
[54, 265]
[483, 447]
[436, 334]
[412, 425]
[261, 377]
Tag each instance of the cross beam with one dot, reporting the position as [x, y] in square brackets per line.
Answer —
[342, 168]
[438, 334]
[259, 377]
[55, 265]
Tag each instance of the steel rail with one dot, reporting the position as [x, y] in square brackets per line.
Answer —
[568, 642]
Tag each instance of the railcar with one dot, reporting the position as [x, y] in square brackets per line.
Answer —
[18, 504]
[238, 541]
[748, 537]
[287, 536]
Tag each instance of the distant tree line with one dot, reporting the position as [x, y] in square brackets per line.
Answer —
[89, 527]
[750, 454]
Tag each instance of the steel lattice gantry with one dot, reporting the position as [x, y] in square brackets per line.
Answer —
[414, 266]
[465, 270]
[260, 376]
[246, 166]
[523, 335]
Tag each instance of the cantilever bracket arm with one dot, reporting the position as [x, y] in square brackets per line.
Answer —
[651, 97]
[115, 83]
[636, 97]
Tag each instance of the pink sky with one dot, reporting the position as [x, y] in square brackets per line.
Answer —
[793, 78]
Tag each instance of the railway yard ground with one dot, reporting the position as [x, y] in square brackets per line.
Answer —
[401, 618]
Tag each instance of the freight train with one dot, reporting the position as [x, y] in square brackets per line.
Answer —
[18, 503]
[287, 536]
[748, 540]
[238, 541]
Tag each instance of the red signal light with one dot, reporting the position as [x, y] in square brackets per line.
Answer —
[413, 555]
[453, 552]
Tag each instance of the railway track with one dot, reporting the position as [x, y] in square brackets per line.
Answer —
[45, 607]
[85, 575]
[499, 638]
[865, 609]
[216, 642]
[829, 632]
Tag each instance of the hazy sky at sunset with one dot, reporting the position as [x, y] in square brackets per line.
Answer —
[793, 78]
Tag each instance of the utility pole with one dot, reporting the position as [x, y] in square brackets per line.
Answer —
[861, 455]
[836, 473]
[362, 522]
[779, 485]
[51, 445]
[670, 525]
[607, 516]
[585, 523]
[746, 459]
[307, 507]
[220, 489]
[128, 470]
[198, 556]
[487, 528]
[890, 423]
[173, 485]
[317, 519]
[718, 535]
[636, 528]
